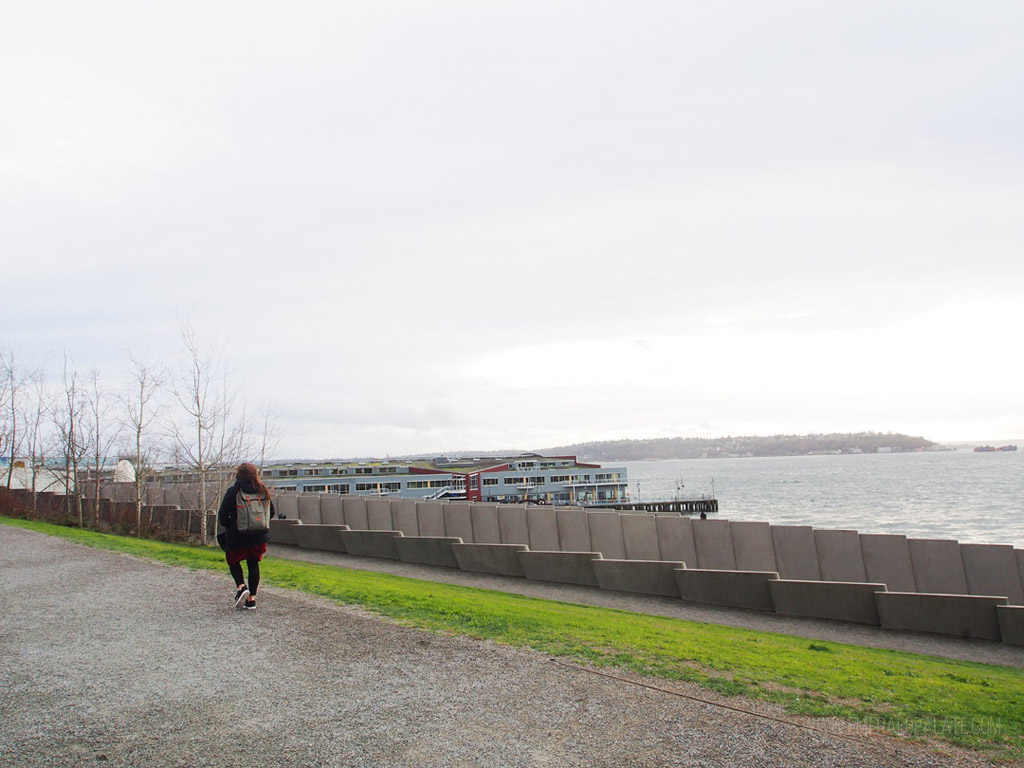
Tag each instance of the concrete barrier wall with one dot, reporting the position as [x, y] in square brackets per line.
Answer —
[960, 615]
[403, 512]
[458, 521]
[887, 560]
[734, 589]
[332, 509]
[675, 539]
[309, 508]
[640, 536]
[647, 577]
[371, 543]
[796, 554]
[937, 566]
[427, 550]
[316, 536]
[606, 534]
[378, 515]
[835, 600]
[498, 559]
[285, 504]
[573, 531]
[543, 529]
[713, 539]
[563, 567]
[839, 556]
[355, 513]
[752, 546]
[991, 569]
[1020, 565]
[430, 515]
[486, 526]
[512, 521]
[1011, 623]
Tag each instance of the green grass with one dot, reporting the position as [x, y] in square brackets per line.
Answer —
[977, 706]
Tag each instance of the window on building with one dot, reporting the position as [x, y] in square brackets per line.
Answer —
[337, 488]
[490, 481]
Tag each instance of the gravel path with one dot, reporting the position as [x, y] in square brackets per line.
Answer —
[110, 660]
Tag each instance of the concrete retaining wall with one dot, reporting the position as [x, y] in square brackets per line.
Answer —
[458, 520]
[281, 531]
[378, 515]
[564, 567]
[836, 600]
[713, 540]
[887, 560]
[937, 566]
[404, 517]
[317, 536]
[606, 534]
[752, 546]
[543, 529]
[431, 518]
[332, 509]
[355, 513]
[309, 508]
[499, 559]
[675, 539]
[371, 543]
[735, 589]
[573, 531]
[796, 554]
[1011, 623]
[648, 577]
[512, 522]
[640, 536]
[839, 555]
[486, 526]
[960, 615]
[990, 570]
[427, 550]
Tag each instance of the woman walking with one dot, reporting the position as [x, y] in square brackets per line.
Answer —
[245, 514]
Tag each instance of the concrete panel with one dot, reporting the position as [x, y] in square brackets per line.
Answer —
[323, 537]
[172, 497]
[752, 546]
[937, 566]
[675, 539]
[606, 534]
[431, 518]
[355, 513]
[836, 600]
[839, 555]
[309, 508]
[512, 520]
[959, 615]
[640, 536]
[1011, 623]
[281, 531]
[332, 509]
[486, 528]
[573, 531]
[403, 513]
[796, 556]
[500, 559]
[285, 504]
[1020, 565]
[991, 569]
[378, 515]
[646, 577]
[564, 567]
[543, 529]
[713, 540]
[428, 550]
[458, 521]
[371, 543]
[736, 589]
[887, 560]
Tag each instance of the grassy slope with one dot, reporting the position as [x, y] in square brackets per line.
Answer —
[972, 705]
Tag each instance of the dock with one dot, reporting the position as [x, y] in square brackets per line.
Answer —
[673, 507]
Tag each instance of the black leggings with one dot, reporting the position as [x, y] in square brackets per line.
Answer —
[254, 573]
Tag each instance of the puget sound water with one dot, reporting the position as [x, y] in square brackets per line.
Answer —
[972, 497]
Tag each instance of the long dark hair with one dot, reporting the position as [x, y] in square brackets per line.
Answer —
[248, 474]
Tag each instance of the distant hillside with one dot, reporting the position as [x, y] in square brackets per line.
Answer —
[775, 445]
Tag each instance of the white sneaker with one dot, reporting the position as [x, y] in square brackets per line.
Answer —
[240, 598]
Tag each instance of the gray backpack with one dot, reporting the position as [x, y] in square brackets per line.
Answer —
[253, 512]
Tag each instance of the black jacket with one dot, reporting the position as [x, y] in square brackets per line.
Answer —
[227, 517]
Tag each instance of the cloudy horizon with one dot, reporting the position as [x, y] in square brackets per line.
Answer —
[425, 229]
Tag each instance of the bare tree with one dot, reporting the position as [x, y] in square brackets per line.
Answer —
[103, 434]
[10, 387]
[141, 412]
[205, 437]
[34, 417]
[72, 437]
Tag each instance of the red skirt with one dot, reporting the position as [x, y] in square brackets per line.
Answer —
[256, 551]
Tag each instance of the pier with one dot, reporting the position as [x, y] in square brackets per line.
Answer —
[674, 506]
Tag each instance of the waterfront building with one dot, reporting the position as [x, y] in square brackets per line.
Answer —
[527, 478]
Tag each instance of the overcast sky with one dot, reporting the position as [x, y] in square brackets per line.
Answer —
[437, 226]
